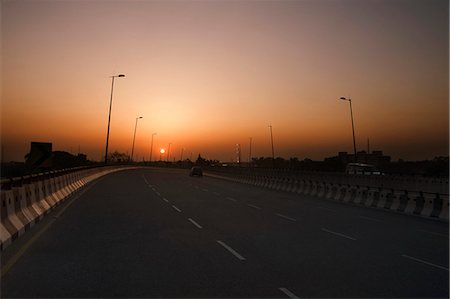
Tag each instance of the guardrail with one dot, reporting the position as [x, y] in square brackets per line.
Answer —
[26, 200]
[415, 196]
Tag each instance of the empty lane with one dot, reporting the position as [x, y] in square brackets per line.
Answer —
[125, 233]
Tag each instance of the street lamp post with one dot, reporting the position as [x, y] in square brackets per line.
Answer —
[273, 152]
[168, 153]
[353, 126]
[109, 115]
[151, 147]
[250, 151]
[134, 137]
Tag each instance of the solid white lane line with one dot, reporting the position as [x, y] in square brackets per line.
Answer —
[285, 217]
[194, 223]
[232, 199]
[231, 250]
[176, 209]
[433, 233]
[370, 218]
[338, 234]
[165, 199]
[424, 262]
[253, 206]
[288, 293]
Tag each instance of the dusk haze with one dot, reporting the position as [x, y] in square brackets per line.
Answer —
[224, 149]
[207, 75]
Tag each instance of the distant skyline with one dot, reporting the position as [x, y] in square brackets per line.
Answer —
[207, 75]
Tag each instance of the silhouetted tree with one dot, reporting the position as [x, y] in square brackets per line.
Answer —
[117, 157]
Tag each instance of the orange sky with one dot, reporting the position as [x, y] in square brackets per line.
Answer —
[206, 75]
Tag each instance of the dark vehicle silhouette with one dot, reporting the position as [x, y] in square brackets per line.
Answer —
[196, 171]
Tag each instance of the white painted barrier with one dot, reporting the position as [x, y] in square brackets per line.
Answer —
[23, 205]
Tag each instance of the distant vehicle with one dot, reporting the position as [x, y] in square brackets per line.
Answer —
[196, 171]
[360, 168]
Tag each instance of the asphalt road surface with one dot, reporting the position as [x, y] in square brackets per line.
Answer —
[160, 233]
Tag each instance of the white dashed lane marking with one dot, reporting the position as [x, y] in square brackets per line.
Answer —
[424, 262]
[338, 234]
[176, 209]
[194, 223]
[288, 293]
[285, 217]
[253, 206]
[231, 250]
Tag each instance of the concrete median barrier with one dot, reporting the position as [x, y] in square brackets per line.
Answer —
[24, 201]
[423, 197]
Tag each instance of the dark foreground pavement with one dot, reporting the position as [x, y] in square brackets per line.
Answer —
[160, 233]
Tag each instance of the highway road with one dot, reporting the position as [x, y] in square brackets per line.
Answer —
[160, 233]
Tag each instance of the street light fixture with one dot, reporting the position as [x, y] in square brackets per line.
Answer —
[109, 115]
[151, 147]
[134, 137]
[353, 126]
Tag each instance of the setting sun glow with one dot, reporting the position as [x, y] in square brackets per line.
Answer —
[207, 75]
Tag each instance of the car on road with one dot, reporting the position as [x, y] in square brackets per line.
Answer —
[196, 171]
[363, 169]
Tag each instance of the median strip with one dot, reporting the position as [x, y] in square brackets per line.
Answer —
[231, 250]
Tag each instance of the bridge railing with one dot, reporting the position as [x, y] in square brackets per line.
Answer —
[427, 197]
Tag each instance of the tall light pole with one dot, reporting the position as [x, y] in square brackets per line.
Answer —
[168, 152]
[151, 147]
[250, 151]
[109, 115]
[353, 126]
[238, 152]
[271, 139]
[134, 137]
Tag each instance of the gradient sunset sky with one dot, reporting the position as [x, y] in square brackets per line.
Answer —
[207, 75]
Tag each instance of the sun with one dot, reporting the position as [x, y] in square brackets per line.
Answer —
[162, 151]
